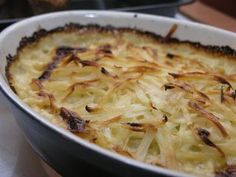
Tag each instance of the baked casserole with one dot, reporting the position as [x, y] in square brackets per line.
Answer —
[155, 99]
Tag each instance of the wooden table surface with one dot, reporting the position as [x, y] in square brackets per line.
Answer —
[200, 12]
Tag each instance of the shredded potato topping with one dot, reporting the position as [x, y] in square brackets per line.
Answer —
[168, 104]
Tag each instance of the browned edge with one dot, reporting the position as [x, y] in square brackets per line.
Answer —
[71, 27]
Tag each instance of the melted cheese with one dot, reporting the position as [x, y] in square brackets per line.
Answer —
[144, 99]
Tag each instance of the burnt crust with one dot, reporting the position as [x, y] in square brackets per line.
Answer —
[61, 52]
[223, 50]
[36, 36]
[10, 59]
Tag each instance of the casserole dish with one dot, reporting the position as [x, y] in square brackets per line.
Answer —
[58, 147]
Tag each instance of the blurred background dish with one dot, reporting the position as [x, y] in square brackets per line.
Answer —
[44, 6]
[12, 11]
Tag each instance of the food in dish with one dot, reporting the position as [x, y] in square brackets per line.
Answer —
[156, 99]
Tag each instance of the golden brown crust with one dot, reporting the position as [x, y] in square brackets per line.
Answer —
[10, 60]
[36, 36]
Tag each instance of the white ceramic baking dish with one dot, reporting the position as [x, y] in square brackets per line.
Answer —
[67, 153]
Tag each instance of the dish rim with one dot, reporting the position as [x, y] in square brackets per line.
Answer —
[5, 88]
